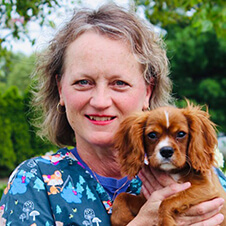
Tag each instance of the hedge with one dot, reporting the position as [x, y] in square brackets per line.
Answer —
[17, 135]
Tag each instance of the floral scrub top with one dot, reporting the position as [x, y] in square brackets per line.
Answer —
[59, 190]
[56, 190]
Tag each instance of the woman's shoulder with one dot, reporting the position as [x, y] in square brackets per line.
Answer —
[43, 164]
[53, 159]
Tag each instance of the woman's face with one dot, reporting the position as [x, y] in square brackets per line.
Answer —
[101, 85]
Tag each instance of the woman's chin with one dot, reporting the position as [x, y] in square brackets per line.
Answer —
[102, 142]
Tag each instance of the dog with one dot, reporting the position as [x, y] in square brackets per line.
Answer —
[180, 142]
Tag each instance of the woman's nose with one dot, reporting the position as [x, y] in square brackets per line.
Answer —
[101, 98]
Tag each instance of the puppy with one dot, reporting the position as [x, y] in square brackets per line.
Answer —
[180, 142]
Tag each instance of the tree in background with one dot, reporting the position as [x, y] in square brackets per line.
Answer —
[15, 16]
[17, 72]
[195, 37]
[17, 135]
[20, 73]
[19, 125]
[7, 157]
[5, 66]
[204, 15]
[198, 69]
[38, 146]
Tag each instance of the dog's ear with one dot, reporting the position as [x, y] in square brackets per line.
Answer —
[203, 139]
[129, 143]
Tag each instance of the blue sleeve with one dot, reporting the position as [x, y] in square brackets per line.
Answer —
[221, 177]
[25, 200]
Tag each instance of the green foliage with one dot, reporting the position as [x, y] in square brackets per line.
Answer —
[19, 126]
[2, 87]
[198, 69]
[17, 135]
[202, 15]
[7, 157]
[16, 71]
[2, 187]
[38, 145]
[21, 71]
[210, 90]
[195, 36]
[15, 16]
[5, 63]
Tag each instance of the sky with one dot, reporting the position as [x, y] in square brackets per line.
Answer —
[43, 35]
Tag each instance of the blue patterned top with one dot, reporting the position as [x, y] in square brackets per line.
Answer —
[59, 190]
[221, 177]
[56, 190]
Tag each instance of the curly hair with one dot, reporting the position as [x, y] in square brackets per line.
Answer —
[117, 23]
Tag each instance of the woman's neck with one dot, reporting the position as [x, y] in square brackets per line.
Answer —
[100, 160]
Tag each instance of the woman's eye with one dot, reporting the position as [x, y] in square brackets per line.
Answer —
[82, 82]
[181, 134]
[119, 84]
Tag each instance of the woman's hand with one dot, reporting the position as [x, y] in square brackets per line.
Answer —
[206, 213]
[148, 214]
[153, 180]
[157, 186]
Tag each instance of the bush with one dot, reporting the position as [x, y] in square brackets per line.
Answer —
[17, 136]
[2, 187]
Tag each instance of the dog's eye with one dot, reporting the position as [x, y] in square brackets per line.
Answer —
[181, 134]
[152, 135]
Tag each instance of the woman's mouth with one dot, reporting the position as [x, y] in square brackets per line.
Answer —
[100, 118]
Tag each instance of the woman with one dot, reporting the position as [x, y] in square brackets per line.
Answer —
[100, 67]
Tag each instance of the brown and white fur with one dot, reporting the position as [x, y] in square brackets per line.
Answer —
[180, 142]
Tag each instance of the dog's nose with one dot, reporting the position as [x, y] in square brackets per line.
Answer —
[166, 152]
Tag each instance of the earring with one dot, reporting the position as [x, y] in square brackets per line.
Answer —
[147, 109]
[60, 109]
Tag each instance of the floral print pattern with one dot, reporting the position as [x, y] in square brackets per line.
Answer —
[55, 190]
[58, 190]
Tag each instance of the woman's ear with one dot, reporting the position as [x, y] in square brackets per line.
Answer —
[149, 91]
[59, 87]
[129, 143]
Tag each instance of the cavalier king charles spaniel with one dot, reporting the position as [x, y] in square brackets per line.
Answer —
[180, 142]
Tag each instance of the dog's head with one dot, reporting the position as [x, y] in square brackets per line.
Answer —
[170, 137]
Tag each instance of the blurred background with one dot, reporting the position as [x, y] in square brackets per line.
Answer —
[194, 32]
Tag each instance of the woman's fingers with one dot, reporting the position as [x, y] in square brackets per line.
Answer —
[206, 207]
[214, 221]
[146, 192]
[150, 209]
[150, 184]
[163, 178]
[153, 180]
[172, 189]
[158, 185]
[206, 213]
